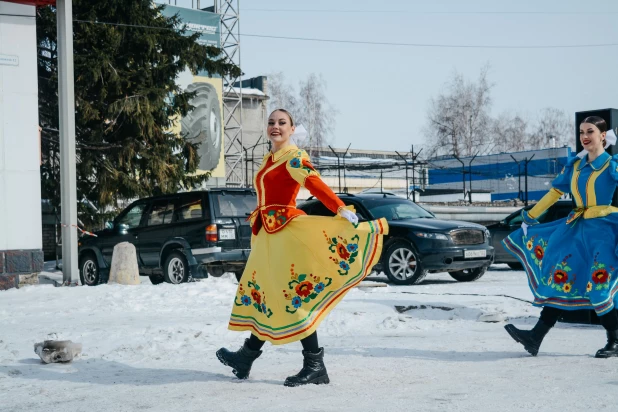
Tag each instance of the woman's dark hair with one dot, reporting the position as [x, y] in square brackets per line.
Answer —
[286, 112]
[597, 121]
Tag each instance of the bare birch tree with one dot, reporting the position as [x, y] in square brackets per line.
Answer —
[510, 133]
[553, 128]
[459, 122]
[282, 94]
[316, 113]
[309, 108]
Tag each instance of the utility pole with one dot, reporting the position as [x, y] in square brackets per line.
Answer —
[249, 182]
[68, 185]
[526, 171]
[519, 194]
[345, 182]
[407, 184]
[413, 156]
[463, 176]
[470, 172]
[338, 165]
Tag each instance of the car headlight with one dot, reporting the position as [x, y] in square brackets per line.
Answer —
[487, 234]
[434, 236]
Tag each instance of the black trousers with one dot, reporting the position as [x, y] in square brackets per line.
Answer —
[310, 343]
[550, 315]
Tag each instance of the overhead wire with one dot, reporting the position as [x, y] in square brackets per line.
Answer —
[471, 12]
[374, 43]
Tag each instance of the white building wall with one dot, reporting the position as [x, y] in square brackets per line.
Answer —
[20, 182]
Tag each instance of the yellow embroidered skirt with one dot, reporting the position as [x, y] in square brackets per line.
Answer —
[296, 276]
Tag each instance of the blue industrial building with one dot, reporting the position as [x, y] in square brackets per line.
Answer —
[503, 175]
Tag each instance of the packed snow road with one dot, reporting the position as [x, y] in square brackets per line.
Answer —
[438, 346]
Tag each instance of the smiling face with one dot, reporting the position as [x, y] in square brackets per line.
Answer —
[591, 137]
[280, 128]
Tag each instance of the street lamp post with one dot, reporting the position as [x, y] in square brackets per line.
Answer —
[66, 96]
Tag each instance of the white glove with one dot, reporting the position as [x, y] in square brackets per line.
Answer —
[347, 214]
[524, 227]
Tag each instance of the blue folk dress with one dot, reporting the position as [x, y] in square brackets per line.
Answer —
[572, 263]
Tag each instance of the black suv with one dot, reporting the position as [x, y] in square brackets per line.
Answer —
[512, 222]
[417, 242]
[177, 237]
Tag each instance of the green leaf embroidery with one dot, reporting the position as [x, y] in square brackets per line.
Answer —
[302, 278]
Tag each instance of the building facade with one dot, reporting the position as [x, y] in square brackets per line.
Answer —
[20, 180]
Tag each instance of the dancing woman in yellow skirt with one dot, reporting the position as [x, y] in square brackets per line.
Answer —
[300, 266]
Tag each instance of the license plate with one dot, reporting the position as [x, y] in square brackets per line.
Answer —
[474, 253]
[227, 234]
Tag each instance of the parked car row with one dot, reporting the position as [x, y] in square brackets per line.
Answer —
[418, 243]
[190, 235]
[177, 237]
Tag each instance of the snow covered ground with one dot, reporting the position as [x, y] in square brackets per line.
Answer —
[152, 348]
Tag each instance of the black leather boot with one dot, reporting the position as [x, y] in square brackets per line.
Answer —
[240, 361]
[313, 370]
[531, 339]
[611, 349]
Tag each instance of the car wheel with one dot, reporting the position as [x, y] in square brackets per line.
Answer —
[468, 275]
[176, 269]
[402, 266]
[156, 279]
[215, 271]
[515, 265]
[89, 270]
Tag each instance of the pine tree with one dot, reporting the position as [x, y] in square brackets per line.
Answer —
[126, 57]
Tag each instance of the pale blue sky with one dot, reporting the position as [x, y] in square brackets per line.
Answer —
[382, 92]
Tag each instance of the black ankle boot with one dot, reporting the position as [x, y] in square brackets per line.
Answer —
[611, 349]
[313, 370]
[531, 339]
[240, 361]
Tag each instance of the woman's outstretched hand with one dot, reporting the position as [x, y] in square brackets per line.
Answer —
[347, 214]
[524, 227]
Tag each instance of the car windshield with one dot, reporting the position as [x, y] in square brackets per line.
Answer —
[396, 209]
[234, 204]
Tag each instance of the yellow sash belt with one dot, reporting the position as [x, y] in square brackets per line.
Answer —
[591, 212]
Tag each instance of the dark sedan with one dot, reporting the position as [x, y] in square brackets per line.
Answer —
[418, 243]
[512, 222]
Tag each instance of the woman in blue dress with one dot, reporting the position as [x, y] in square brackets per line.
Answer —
[572, 263]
